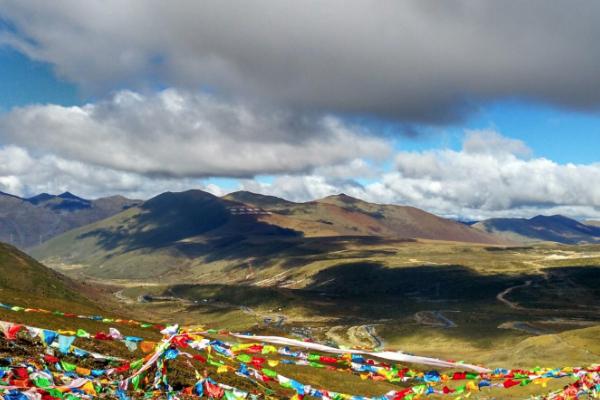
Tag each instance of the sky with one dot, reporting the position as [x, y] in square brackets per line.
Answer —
[467, 110]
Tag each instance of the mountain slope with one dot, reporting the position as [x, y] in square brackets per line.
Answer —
[556, 228]
[28, 222]
[24, 281]
[342, 215]
[164, 235]
[177, 236]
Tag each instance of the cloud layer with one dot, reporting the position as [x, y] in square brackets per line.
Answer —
[489, 177]
[178, 134]
[413, 61]
[23, 174]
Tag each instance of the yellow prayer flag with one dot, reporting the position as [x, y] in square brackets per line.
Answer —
[222, 369]
[88, 388]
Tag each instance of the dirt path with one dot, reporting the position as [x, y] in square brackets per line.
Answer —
[122, 298]
[376, 339]
[435, 319]
[502, 296]
[356, 336]
[523, 326]
[267, 319]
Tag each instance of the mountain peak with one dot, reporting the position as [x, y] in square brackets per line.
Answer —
[171, 199]
[555, 216]
[557, 219]
[245, 193]
[69, 196]
[255, 199]
[40, 198]
[341, 198]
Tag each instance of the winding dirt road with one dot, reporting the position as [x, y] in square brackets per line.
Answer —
[514, 305]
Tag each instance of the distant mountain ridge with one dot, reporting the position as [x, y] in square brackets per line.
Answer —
[555, 228]
[25, 222]
[343, 215]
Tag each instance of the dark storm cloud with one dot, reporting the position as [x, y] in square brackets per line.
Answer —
[414, 61]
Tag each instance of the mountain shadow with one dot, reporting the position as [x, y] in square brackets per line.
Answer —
[171, 217]
[372, 279]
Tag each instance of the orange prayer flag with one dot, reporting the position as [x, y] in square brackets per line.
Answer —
[83, 371]
[147, 346]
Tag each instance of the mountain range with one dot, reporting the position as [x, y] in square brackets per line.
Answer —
[555, 228]
[29, 222]
[342, 215]
[25, 222]
[181, 233]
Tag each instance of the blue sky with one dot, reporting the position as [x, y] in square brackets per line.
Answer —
[560, 135]
[23, 81]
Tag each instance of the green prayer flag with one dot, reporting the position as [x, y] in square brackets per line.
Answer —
[229, 395]
[82, 334]
[245, 358]
[55, 393]
[135, 381]
[137, 364]
[214, 363]
[68, 366]
[269, 372]
[42, 382]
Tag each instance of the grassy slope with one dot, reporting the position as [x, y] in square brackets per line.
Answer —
[27, 283]
[23, 278]
[423, 277]
[474, 341]
[466, 273]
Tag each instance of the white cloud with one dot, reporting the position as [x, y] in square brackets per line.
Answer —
[491, 142]
[487, 178]
[304, 187]
[24, 175]
[178, 134]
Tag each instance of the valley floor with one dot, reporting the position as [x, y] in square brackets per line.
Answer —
[489, 305]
